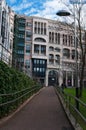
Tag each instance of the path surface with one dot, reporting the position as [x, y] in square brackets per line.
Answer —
[43, 112]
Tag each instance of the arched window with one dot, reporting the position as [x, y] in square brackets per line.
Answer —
[40, 40]
[66, 53]
[51, 56]
[73, 54]
[51, 48]
[57, 49]
[51, 59]
[57, 59]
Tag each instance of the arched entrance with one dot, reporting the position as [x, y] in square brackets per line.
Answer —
[53, 78]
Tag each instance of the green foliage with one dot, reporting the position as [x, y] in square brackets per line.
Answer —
[12, 81]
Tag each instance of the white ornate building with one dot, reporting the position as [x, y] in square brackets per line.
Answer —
[53, 42]
[6, 32]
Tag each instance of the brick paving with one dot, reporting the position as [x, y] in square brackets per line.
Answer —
[43, 112]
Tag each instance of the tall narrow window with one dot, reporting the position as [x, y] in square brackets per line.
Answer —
[35, 27]
[36, 48]
[28, 48]
[44, 28]
[50, 37]
[58, 38]
[38, 27]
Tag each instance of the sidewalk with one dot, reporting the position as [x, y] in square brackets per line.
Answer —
[43, 112]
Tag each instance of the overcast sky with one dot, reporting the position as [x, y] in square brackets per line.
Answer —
[42, 8]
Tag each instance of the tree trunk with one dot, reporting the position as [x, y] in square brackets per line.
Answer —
[82, 76]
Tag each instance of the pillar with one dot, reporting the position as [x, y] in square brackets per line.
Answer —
[60, 78]
[46, 78]
[72, 79]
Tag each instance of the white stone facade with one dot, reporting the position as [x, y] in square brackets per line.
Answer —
[60, 49]
[6, 36]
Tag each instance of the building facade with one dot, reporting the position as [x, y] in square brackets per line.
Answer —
[54, 42]
[22, 44]
[44, 49]
[6, 32]
[47, 50]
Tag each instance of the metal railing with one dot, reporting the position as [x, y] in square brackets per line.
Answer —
[10, 102]
[69, 102]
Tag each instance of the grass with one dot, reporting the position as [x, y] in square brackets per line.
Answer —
[82, 109]
[72, 91]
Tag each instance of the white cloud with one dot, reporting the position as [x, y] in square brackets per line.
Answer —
[12, 1]
[31, 11]
[50, 8]
[47, 9]
[24, 5]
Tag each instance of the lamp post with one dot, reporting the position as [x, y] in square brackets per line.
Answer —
[66, 13]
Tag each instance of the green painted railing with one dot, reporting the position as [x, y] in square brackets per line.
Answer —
[10, 102]
[69, 102]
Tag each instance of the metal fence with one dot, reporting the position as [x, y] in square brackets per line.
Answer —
[10, 102]
[69, 102]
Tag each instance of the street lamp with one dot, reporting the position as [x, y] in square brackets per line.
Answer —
[63, 13]
[66, 13]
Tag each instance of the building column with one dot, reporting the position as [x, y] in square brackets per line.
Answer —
[72, 79]
[60, 78]
[66, 78]
[46, 78]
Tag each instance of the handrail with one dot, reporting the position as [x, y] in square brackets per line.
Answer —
[70, 95]
[69, 101]
[15, 99]
[9, 94]
[9, 102]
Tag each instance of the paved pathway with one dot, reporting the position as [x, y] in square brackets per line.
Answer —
[43, 112]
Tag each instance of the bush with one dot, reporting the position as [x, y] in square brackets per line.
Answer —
[12, 81]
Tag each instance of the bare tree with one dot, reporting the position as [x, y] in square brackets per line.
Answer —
[81, 35]
[76, 11]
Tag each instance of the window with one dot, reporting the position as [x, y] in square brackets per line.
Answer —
[66, 53]
[51, 48]
[44, 28]
[57, 59]
[50, 37]
[51, 59]
[20, 52]
[64, 39]
[57, 49]
[28, 24]
[39, 67]
[28, 48]
[73, 54]
[43, 49]
[28, 33]
[21, 35]
[36, 48]
[27, 63]
[34, 61]
[40, 40]
[58, 38]
[28, 38]
[21, 44]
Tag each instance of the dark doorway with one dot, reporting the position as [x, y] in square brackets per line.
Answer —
[52, 78]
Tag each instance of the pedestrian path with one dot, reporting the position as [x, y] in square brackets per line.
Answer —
[43, 112]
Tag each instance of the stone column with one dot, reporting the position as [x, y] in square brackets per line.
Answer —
[72, 79]
[60, 78]
[66, 78]
[46, 78]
